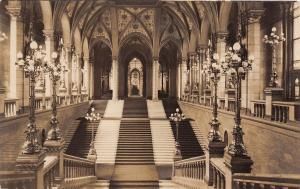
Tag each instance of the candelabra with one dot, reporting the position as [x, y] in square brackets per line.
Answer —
[92, 117]
[54, 69]
[236, 68]
[213, 69]
[177, 118]
[33, 66]
[273, 40]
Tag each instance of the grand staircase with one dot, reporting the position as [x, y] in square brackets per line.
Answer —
[134, 158]
[189, 144]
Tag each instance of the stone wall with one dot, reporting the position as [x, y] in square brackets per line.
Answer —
[13, 128]
[274, 147]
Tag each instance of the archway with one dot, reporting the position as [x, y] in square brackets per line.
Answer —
[168, 56]
[135, 78]
[102, 69]
[137, 49]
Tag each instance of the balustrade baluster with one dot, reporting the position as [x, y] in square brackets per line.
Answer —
[280, 113]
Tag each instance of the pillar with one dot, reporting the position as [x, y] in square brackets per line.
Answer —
[221, 45]
[184, 75]
[201, 52]
[154, 79]
[69, 68]
[91, 80]
[115, 77]
[85, 74]
[179, 79]
[256, 76]
[49, 43]
[14, 13]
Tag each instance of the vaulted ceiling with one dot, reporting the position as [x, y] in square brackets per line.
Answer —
[95, 19]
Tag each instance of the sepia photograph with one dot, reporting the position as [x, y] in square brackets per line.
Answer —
[149, 94]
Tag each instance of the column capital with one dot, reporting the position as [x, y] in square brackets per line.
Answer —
[13, 11]
[202, 48]
[191, 54]
[114, 58]
[86, 58]
[155, 58]
[49, 33]
[221, 36]
[255, 15]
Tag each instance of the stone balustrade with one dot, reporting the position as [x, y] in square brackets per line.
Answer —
[281, 111]
[38, 103]
[190, 172]
[10, 107]
[218, 172]
[50, 171]
[252, 181]
[78, 167]
[258, 108]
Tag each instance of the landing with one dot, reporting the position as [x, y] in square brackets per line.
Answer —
[135, 173]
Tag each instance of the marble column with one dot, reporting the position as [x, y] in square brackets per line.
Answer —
[221, 45]
[85, 74]
[179, 79]
[256, 76]
[184, 75]
[14, 13]
[78, 72]
[49, 43]
[201, 51]
[91, 79]
[115, 79]
[69, 68]
[155, 67]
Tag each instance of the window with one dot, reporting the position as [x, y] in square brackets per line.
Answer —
[296, 36]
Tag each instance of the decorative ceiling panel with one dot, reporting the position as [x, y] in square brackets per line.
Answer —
[123, 19]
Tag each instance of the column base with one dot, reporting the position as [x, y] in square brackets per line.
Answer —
[30, 162]
[238, 164]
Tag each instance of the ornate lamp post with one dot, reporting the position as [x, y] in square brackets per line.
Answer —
[213, 69]
[273, 40]
[33, 66]
[92, 117]
[177, 118]
[236, 67]
[54, 68]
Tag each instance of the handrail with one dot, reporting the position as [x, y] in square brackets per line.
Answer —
[191, 160]
[270, 180]
[190, 172]
[78, 159]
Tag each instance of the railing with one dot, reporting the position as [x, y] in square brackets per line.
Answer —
[38, 103]
[189, 172]
[217, 171]
[78, 171]
[266, 181]
[78, 167]
[50, 171]
[10, 107]
[231, 104]
[258, 108]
